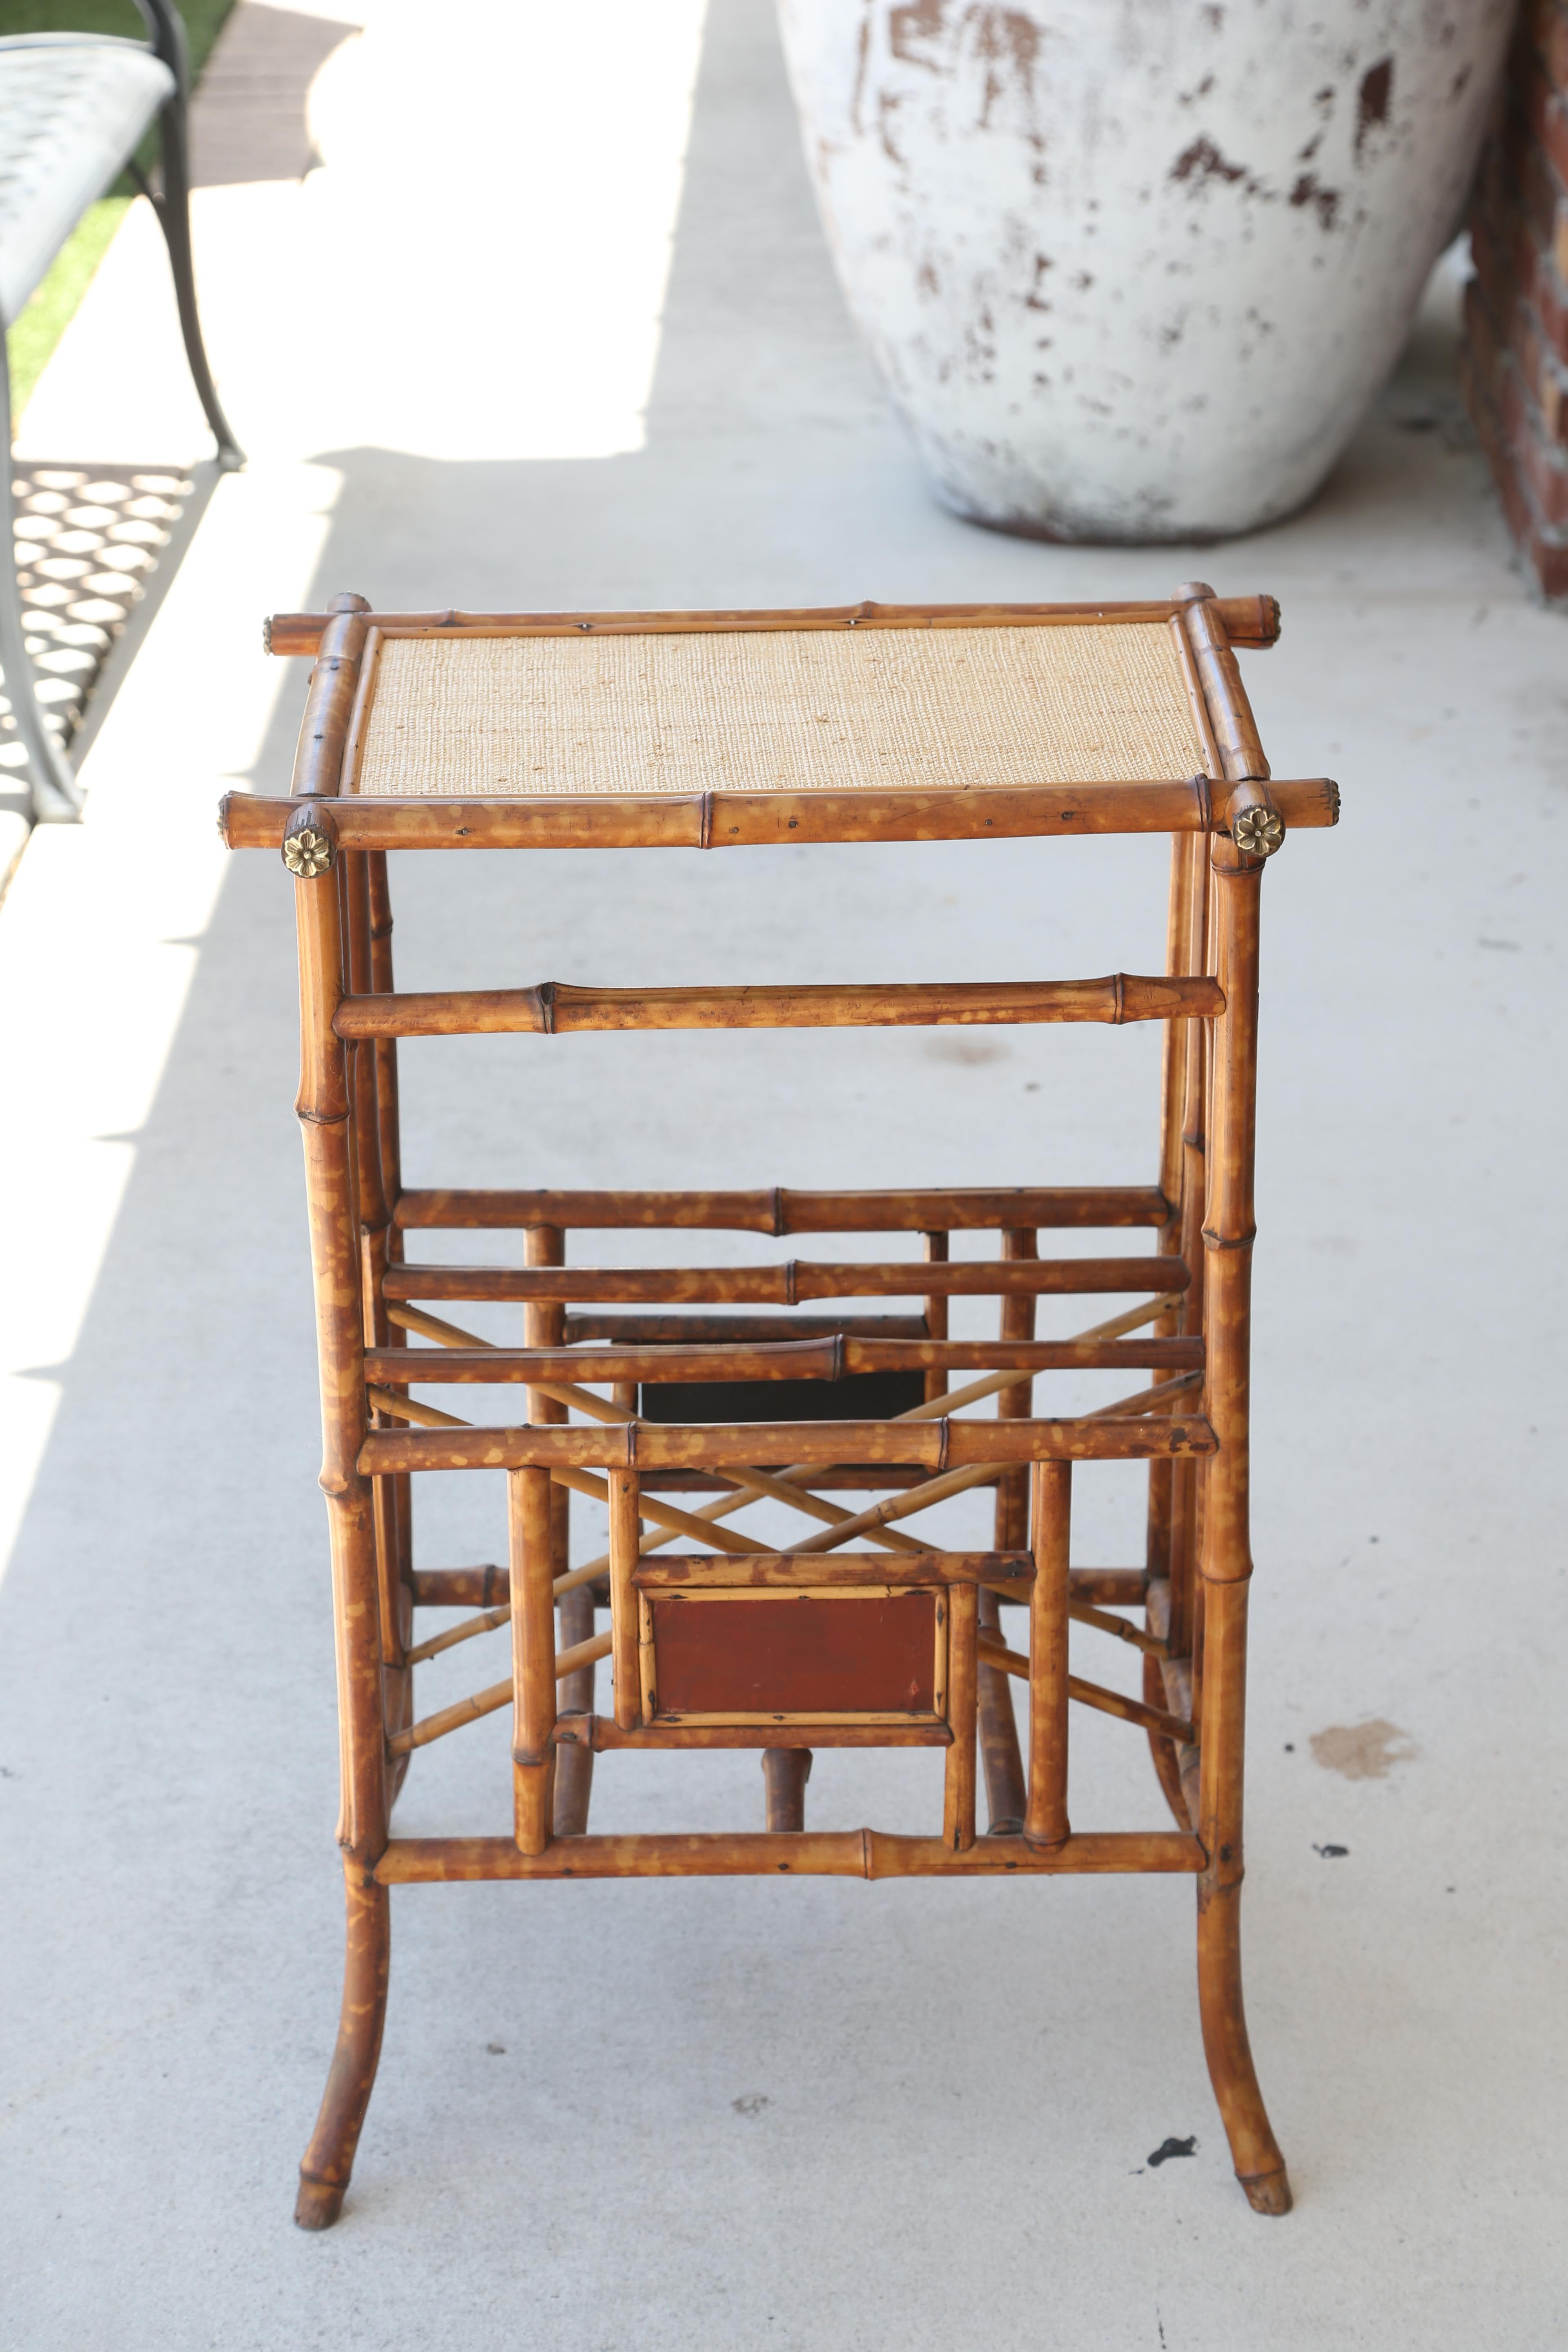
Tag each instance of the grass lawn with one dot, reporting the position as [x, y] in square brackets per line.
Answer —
[47, 314]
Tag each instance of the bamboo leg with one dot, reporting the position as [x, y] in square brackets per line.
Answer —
[785, 1771]
[1186, 850]
[574, 1765]
[546, 1327]
[1259, 2166]
[329, 2159]
[958, 1786]
[626, 1545]
[999, 1749]
[1226, 1559]
[1045, 1816]
[389, 1121]
[1004, 1761]
[937, 1251]
[1163, 1751]
[533, 1654]
[1016, 1404]
[1194, 1050]
[326, 1126]
[375, 1230]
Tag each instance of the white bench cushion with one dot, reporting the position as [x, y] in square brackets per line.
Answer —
[72, 108]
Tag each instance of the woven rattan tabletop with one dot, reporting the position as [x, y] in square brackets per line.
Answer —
[482, 715]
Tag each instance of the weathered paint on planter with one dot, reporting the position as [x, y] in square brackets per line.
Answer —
[1132, 269]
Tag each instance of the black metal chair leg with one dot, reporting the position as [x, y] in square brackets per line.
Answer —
[171, 204]
[57, 795]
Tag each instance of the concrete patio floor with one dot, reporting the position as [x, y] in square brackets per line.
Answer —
[554, 325]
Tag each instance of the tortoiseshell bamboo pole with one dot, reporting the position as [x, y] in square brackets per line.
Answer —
[937, 1248]
[375, 1233]
[552, 1008]
[1194, 1059]
[1248, 620]
[744, 820]
[1017, 1403]
[544, 1327]
[958, 1779]
[387, 1106]
[1006, 1795]
[785, 1771]
[1226, 1563]
[329, 2159]
[530, 1552]
[779, 1209]
[1045, 1816]
[626, 1538]
[1172, 1077]
[839, 1854]
[788, 1284]
[326, 1126]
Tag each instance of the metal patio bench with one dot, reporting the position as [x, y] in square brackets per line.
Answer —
[73, 109]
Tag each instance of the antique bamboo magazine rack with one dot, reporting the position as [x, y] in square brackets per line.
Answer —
[645, 1386]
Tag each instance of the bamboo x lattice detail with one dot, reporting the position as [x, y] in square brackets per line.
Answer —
[757, 1487]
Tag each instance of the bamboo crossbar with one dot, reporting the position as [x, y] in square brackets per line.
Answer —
[936, 1445]
[740, 820]
[1108, 1702]
[787, 1284]
[603, 1733]
[837, 1853]
[487, 1589]
[1083, 1612]
[489, 1702]
[778, 1209]
[553, 1009]
[797, 1569]
[1247, 620]
[824, 1360]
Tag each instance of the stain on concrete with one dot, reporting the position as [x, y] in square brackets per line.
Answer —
[1364, 1751]
[968, 1053]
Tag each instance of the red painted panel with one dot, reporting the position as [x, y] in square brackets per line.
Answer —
[795, 1653]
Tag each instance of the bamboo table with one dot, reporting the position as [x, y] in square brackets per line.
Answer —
[738, 729]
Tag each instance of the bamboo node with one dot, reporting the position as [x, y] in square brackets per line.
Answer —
[307, 853]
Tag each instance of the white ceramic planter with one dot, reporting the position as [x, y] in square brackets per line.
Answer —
[1133, 268]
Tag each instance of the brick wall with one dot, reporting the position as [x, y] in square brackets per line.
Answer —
[1515, 362]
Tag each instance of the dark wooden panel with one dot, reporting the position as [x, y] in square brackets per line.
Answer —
[860, 1396]
[806, 1653]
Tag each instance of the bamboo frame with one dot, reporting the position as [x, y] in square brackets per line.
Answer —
[1245, 620]
[842, 1853]
[531, 1553]
[779, 1210]
[553, 1009]
[731, 820]
[1189, 1425]
[786, 1286]
[671, 1447]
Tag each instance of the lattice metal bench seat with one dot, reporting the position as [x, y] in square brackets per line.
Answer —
[73, 108]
